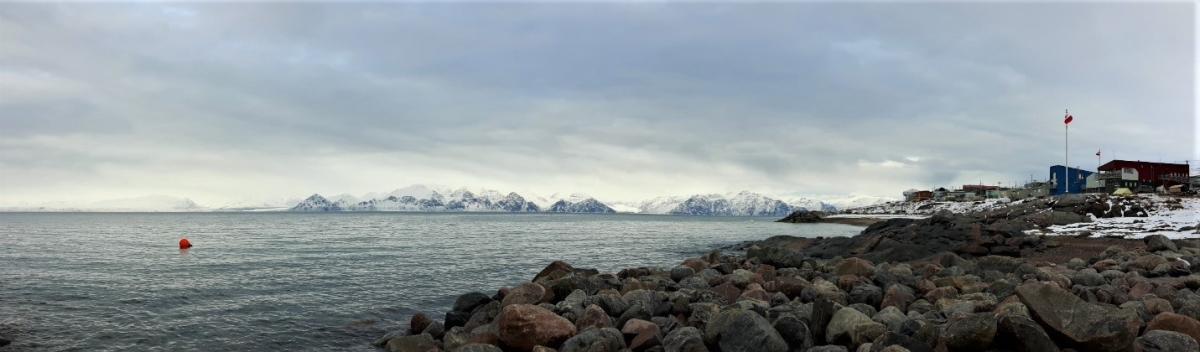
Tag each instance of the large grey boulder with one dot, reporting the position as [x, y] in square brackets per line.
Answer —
[973, 332]
[595, 340]
[851, 327]
[685, 339]
[743, 330]
[1088, 326]
[1024, 334]
[1165, 341]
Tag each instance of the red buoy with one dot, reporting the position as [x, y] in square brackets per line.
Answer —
[184, 244]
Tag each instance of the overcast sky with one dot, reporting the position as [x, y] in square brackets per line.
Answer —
[228, 102]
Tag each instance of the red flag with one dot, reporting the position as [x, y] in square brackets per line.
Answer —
[1097, 152]
[1067, 120]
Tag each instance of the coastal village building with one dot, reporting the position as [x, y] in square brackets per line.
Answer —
[1142, 175]
[1065, 180]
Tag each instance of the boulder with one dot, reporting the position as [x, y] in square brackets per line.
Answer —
[1165, 341]
[822, 312]
[794, 332]
[418, 323]
[1089, 326]
[973, 332]
[851, 327]
[898, 296]
[556, 270]
[1175, 322]
[828, 348]
[527, 293]
[641, 334]
[685, 339]
[854, 266]
[593, 317]
[523, 326]
[1155, 243]
[743, 330]
[595, 340]
[681, 272]
[803, 216]
[412, 343]
[467, 302]
[891, 317]
[1024, 334]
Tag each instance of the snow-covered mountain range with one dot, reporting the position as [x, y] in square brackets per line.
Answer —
[743, 203]
[429, 198]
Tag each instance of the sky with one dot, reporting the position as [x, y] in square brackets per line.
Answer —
[238, 102]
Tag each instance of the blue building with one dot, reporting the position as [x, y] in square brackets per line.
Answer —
[1067, 180]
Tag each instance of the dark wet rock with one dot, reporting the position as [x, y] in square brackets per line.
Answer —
[970, 333]
[743, 330]
[435, 329]
[1023, 334]
[794, 332]
[483, 315]
[412, 343]
[892, 338]
[1165, 341]
[1086, 325]
[822, 313]
[418, 323]
[467, 302]
[866, 294]
[595, 340]
[828, 348]
[635, 311]
[555, 270]
[685, 339]
[523, 326]
[803, 217]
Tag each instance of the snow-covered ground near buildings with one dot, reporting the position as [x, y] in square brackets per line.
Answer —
[930, 207]
[1175, 222]
[876, 216]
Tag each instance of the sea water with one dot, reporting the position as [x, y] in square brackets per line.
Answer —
[303, 281]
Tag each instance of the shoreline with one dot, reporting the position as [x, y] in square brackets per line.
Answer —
[946, 282]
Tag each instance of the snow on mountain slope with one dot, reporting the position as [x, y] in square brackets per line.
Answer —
[743, 203]
[576, 205]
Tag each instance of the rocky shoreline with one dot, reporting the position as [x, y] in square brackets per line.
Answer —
[947, 283]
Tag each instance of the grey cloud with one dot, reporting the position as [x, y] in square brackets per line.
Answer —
[619, 100]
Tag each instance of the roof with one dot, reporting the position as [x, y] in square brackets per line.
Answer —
[1116, 164]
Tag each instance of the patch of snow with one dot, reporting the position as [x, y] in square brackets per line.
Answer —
[1178, 223]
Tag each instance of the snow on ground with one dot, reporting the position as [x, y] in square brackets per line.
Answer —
[930, 207]
[876, 216]
[1175, 223]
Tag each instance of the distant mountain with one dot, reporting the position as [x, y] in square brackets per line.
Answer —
[588, 205]
[316, 203]
[420, 198]
[743, 203]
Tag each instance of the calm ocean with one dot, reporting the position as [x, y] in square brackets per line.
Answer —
[311, 282]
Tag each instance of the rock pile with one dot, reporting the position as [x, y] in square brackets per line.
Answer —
[1116, 300]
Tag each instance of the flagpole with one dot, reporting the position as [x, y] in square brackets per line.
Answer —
[1066, 156]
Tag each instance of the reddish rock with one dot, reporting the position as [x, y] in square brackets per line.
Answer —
[728, 292]
[791, 286]
[527, 293]
[696, 264]
[755, 294]
[593, 317]
[855, 266]
[941, 292]
[641, 334]
[485, 334]
[418, 323]
[523, 326]
[897, 296]
[556, 270]
[1139, 289]
[1177, 323]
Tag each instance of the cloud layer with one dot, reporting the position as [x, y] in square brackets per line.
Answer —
[227, 102]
